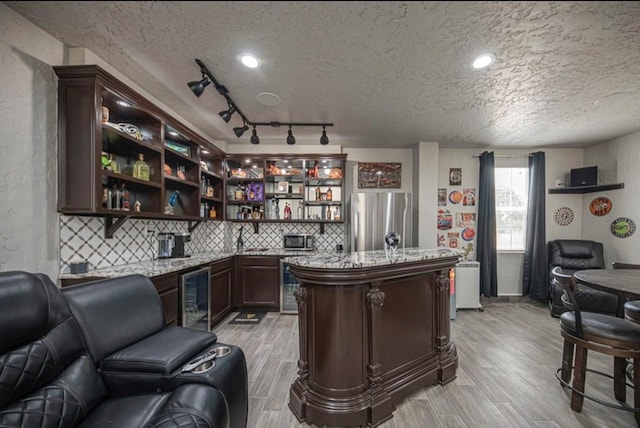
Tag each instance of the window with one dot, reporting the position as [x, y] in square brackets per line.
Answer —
[512, 188]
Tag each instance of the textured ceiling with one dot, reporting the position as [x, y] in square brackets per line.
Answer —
[388, 74]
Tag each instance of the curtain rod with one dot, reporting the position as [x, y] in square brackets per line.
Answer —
[477, 155]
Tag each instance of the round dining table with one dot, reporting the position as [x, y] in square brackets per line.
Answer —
[623, 282]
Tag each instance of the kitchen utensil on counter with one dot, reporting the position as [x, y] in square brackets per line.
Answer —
[165, 245]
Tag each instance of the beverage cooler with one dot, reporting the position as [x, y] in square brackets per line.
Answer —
[288, 284]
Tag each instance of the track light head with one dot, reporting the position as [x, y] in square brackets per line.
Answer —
[324, 140]
[290, 138]
[240, 130]
[254, 137]
[197, 87]
[226, 114]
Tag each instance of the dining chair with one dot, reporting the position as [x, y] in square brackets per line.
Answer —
[607, 334]
[632, 307]
[590, 300]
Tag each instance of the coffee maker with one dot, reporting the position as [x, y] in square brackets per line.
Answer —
[179, 249]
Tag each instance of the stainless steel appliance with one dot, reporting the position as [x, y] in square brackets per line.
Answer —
[165, 245]
[374, 215]
[298, 241]
[195, 303]
[179, 249]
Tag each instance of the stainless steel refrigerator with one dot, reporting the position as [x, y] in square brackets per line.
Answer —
[373, 215]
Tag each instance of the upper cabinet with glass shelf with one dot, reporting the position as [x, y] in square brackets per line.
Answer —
[305, 188]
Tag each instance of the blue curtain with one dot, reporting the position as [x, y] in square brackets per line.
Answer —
[534, 275]
[486, 253]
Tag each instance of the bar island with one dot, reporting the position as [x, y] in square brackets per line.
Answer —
[373, 328]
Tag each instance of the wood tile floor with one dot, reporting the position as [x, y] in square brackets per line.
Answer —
[508, 355]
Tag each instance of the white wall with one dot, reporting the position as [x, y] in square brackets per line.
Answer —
[558, 163]
[426, 159]
[28, 154]
[618, 162]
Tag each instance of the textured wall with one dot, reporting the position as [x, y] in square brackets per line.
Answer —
[28, 119]
[617, 162]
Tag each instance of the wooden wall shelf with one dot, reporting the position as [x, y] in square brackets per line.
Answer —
[586, 189]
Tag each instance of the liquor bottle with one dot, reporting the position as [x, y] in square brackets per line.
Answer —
[328, 213]
[316, 174]
[116, 198]
[125, 197]
[238, 193]
[329, 194]
[252, 193]
[202, 209]
[212, 211]
[141, 169]
[336, 214]
[209, 189]
[299, 211]
[317, 193]
[115, 166]
[106, 196]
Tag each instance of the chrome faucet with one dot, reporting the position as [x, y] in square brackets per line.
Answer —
[239, 242]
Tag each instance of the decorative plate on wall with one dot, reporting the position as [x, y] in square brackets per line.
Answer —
[623, 227]
[455, 197]
[563, 216]
[600, 206]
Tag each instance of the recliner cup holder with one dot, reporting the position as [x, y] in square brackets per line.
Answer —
[221, 351]
[204, 367]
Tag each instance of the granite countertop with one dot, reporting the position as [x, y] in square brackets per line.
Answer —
[163, 266]
[371, 258]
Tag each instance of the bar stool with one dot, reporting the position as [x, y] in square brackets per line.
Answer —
[632, 307]
[600, 333]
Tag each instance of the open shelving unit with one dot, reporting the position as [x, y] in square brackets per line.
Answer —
[586, 189]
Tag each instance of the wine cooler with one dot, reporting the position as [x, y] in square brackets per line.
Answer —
[194, 299]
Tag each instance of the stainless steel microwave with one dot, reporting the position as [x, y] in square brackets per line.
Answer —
[298, 242]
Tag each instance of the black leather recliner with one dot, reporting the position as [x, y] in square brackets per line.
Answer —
[124, 327]
[49, 378]
[573, 255]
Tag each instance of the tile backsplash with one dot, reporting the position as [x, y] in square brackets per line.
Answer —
[82, 238]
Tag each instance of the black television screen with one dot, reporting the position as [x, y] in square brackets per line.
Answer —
[587, 176]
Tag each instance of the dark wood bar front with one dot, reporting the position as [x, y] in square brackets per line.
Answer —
[373, 328]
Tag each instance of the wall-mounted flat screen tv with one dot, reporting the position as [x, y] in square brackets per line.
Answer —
[587, 176]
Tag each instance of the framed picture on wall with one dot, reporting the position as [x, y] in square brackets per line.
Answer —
[379, 175]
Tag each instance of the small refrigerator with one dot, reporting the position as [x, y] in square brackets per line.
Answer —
[289, 283]
[467, 285]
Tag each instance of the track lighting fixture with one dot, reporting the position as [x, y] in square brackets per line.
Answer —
[207, 78]
[290, 138]
[240, 130]
[226, 114]
[254, 136]
[198, 86]
[324, 140]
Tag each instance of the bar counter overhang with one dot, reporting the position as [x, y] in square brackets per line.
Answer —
[373, 328]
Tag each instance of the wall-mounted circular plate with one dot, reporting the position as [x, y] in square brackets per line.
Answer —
[601, 206]
[623, 227]
[563, 216]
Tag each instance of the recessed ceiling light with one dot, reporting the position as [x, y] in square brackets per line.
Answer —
[249, 60]
[206, 152]
[269, 99]
[286, 161]
[123, 103]
[247, 161]
[483, 61]
[174, 133]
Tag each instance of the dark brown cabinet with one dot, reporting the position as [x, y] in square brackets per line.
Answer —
[104, 128]
[258, 284]
[167, 287]
[220, 290]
